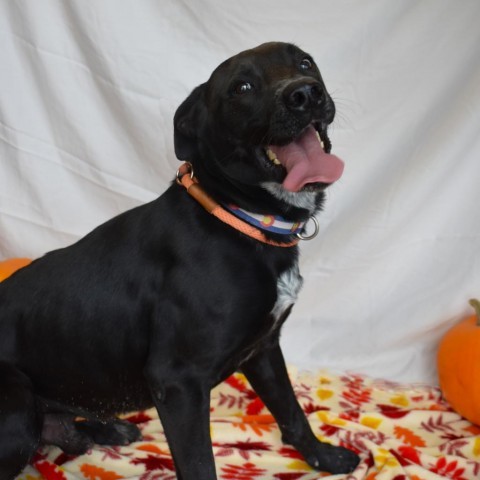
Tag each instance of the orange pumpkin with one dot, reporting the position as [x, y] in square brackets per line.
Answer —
[458, 364]
[7, 267]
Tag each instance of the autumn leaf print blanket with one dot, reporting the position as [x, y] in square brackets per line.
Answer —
[401, 432]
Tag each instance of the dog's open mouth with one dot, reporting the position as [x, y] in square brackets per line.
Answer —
[306, 161]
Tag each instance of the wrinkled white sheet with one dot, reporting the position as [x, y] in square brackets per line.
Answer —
[87, 95]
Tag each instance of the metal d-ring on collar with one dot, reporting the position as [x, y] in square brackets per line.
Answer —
[301, 236]
[188, 169]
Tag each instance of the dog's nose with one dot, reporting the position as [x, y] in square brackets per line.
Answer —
[303, 96]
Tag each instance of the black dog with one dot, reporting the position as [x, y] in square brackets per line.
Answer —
[160, 304]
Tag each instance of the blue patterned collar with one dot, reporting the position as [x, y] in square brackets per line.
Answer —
[269, 223]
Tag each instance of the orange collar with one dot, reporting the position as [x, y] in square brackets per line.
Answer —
[186, 178]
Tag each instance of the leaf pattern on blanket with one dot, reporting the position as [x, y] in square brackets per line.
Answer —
[400, 432]
[93, 472]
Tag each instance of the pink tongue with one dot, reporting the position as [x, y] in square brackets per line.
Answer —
[306, 162]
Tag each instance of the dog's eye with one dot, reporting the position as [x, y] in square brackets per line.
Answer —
[306, 64]
[242, 88]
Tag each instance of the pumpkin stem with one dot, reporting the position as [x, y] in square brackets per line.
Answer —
[476, 306]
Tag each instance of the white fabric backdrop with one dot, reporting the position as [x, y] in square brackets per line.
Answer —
[87, 95]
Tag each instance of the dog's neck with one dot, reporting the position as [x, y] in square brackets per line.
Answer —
[251, 224]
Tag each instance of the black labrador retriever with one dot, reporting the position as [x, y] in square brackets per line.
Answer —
[163, 302]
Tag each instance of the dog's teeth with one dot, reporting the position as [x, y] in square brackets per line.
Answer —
[320, 140]
[273, 157]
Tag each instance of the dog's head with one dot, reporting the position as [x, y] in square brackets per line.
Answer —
[256, 132]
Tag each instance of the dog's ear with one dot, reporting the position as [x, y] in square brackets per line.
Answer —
[187, 123]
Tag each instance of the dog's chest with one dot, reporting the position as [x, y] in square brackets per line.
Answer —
[289, 284]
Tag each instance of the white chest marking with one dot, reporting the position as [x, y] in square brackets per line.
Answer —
[288, 286]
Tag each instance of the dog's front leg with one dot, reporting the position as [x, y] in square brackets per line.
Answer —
[183, 405]
[268, 375]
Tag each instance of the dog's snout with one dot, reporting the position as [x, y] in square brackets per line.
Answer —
[303, 96]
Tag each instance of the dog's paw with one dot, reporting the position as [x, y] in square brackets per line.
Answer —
[77, 444]
[328, 458]
[115, 432]
[127, 431]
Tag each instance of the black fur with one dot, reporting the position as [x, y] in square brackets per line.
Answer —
[163, 302]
